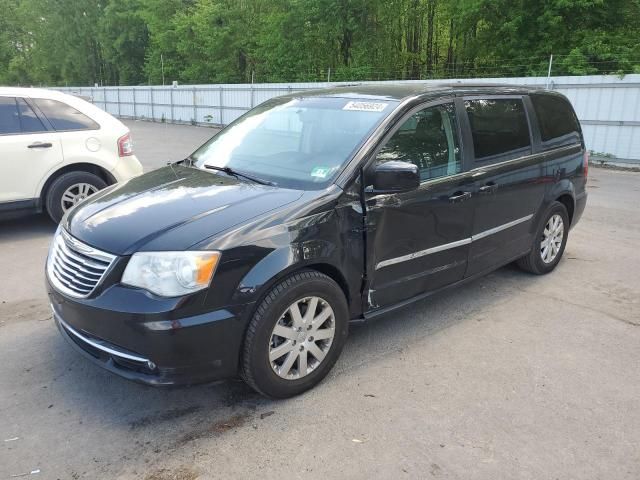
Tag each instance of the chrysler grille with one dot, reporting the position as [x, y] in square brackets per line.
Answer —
[75, 268]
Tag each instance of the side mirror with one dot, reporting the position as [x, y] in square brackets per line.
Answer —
[394, 177]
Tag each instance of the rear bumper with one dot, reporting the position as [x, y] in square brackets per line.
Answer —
[127, 168]
[152, 347]
[581, 202]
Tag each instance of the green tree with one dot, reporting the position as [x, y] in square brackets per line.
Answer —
[123, 36]
[202, 41]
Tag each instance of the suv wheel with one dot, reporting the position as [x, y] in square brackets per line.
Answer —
[549, 243]
[295, 336]
[70, 189]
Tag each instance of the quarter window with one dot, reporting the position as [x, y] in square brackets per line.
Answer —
[63, 116]
[429, 140]
[29, 122]
[9, 116]
[498, 126]
[555, 116]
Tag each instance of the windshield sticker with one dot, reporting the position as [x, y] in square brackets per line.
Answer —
[320, 172]
[365, 106]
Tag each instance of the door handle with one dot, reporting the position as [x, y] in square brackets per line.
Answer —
[488, 188]
[459, 196]
[40, 145]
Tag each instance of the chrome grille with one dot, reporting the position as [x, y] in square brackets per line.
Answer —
[75, 268]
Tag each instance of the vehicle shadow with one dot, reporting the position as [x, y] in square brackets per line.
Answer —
[26, 228]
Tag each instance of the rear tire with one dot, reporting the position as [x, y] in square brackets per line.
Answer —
[275, 342]
[549, 242]
[73, 184]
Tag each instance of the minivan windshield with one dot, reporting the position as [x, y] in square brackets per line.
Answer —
[299, 143]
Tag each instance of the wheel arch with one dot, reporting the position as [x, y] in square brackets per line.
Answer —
[563, 192]
[569, 203]
[324, 267]
[75, 167]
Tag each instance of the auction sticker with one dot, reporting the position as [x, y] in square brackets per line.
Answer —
[365, 106]
[320, 172]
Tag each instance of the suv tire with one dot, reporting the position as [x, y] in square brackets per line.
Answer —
[64, 183]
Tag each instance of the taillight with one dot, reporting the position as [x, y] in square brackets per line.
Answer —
[125, 145]
[586, 165]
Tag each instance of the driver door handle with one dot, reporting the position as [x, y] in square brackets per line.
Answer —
[460, 197]
[40, 145]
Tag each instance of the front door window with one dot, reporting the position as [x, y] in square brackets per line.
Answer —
[427, 139]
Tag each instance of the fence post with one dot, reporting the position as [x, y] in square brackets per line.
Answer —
[135, 113]
[153, 115]
[252, 96]
[104, 98]
[171, 100]
[118, 97]
[221, 96]
[195, 107]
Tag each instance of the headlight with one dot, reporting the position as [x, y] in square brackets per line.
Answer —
[171, 274]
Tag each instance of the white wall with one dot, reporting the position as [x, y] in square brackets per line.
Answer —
[608, 106]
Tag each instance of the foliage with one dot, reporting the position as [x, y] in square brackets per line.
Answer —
[129, 42]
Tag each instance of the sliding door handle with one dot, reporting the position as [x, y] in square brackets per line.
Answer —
[460, 197]
[488, 188]
[40, 145]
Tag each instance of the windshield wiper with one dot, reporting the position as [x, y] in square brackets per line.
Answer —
[235, 173]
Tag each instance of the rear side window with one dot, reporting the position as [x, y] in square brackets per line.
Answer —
[63, 116]
[29, 122]
[498, 126]
[555, 117]
[9, 116]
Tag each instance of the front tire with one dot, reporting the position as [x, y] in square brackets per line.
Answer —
[549, 242]
[69, 189]
[296, 335]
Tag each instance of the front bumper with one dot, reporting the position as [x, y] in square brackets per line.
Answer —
[147, 344]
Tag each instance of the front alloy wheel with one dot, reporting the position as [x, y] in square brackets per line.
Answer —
[302, 338]
[296, 335]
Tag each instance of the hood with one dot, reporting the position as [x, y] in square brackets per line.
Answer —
[171, 208]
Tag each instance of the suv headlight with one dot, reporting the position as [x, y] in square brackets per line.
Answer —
[171, 274]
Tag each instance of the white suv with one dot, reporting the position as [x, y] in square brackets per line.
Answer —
[56, 150]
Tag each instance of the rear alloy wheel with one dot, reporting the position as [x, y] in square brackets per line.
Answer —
[70, 189]
[296, 335]
[549, 242]
[75, 194]
[552, 237]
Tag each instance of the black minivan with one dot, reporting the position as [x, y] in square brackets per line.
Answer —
[252, 256]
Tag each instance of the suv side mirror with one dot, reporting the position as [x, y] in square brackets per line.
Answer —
[394, 177]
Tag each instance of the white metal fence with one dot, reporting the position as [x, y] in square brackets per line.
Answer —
[608, 106]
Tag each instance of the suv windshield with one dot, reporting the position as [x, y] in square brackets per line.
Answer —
[299, 143]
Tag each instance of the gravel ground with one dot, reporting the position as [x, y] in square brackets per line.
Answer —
[510, 377]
